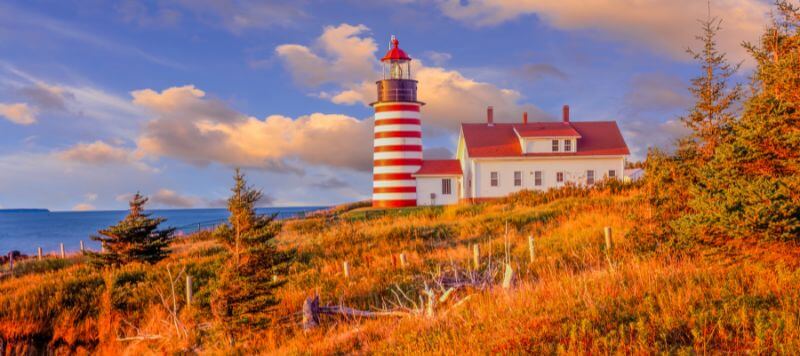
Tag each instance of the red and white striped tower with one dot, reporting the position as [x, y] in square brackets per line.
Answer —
[398, 133]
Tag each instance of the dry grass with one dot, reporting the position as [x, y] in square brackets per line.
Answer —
[569, 300]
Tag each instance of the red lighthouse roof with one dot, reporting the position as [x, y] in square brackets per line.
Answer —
[395, 53]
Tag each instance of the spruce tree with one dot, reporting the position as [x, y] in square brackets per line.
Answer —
[245, 293]
[751, 187]
[135, 238]
[673, 181]
[712, 115]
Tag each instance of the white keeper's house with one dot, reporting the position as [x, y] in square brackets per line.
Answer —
[492, 159]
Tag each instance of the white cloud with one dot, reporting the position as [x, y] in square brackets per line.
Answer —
[341, 56]
[438, 58]
[240, 15]
[100, 153]
[189, 126]
[117, 115]
[83, 207]
[665, 26]
[171, 198]
[97, 152]
[450, 97]
[18, 113]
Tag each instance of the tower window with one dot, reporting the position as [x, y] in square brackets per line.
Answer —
[493, 179]
[517, 178]
[555, 145]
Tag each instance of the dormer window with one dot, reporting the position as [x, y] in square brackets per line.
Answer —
[555, 145]
[567, 145]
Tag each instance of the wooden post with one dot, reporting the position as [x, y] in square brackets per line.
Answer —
[530, 248]
[82, 246]
[188, 290]
[39, 253]
[476, 256]
[609, 245]
[63, 254]
[508, 277]
[11, 261]
[403, 261]
[346, 267]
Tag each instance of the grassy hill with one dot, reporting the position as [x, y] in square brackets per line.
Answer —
[575, 297]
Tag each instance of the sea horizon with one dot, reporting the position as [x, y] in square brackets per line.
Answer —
[26, 231]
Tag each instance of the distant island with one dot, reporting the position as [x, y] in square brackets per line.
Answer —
[24, 211]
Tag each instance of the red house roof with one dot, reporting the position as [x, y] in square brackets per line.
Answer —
[546, 129]
[440, 167]
[597, 138]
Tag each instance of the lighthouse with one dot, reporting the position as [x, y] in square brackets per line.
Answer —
[398, 133]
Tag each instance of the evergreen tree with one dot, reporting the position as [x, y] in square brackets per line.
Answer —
[135, 238]
[672, 181]
[751, 186]
[712, 115]
[246, 287]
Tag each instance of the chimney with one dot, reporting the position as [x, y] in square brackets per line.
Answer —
[566, 114]
[490, 116]
[525, 117]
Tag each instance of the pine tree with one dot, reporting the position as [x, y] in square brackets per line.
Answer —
[751, 187]
[673, 181]
[135, 238]
[712, 115]
[246, 287]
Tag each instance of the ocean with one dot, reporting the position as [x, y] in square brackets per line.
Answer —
[25, 231]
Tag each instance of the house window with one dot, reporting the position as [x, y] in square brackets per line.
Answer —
[494, 179]
[590, 177]
[560, 177]
[555, 145]
[517, 178]
[567, 145]
[537, 178]
[446, 187]
[612, 174]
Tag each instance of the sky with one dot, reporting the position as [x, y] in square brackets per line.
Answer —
[101, 99]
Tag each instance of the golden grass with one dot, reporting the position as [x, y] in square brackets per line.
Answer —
[569, 300]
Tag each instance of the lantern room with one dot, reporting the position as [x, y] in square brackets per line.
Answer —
[396, 63]
[397, 84]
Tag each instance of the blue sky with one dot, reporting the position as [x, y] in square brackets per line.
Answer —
[100, 99]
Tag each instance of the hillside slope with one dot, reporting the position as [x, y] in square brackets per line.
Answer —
[574, 297]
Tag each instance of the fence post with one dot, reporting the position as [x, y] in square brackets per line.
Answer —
[403, 261]
[508, 277]
[609, 242]
[11, 261]
[609, 245]
[39, 253]
[346, 267]
[188, 290]
[82, 246]
[63, 254]
[476, 256]
[530, 248]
